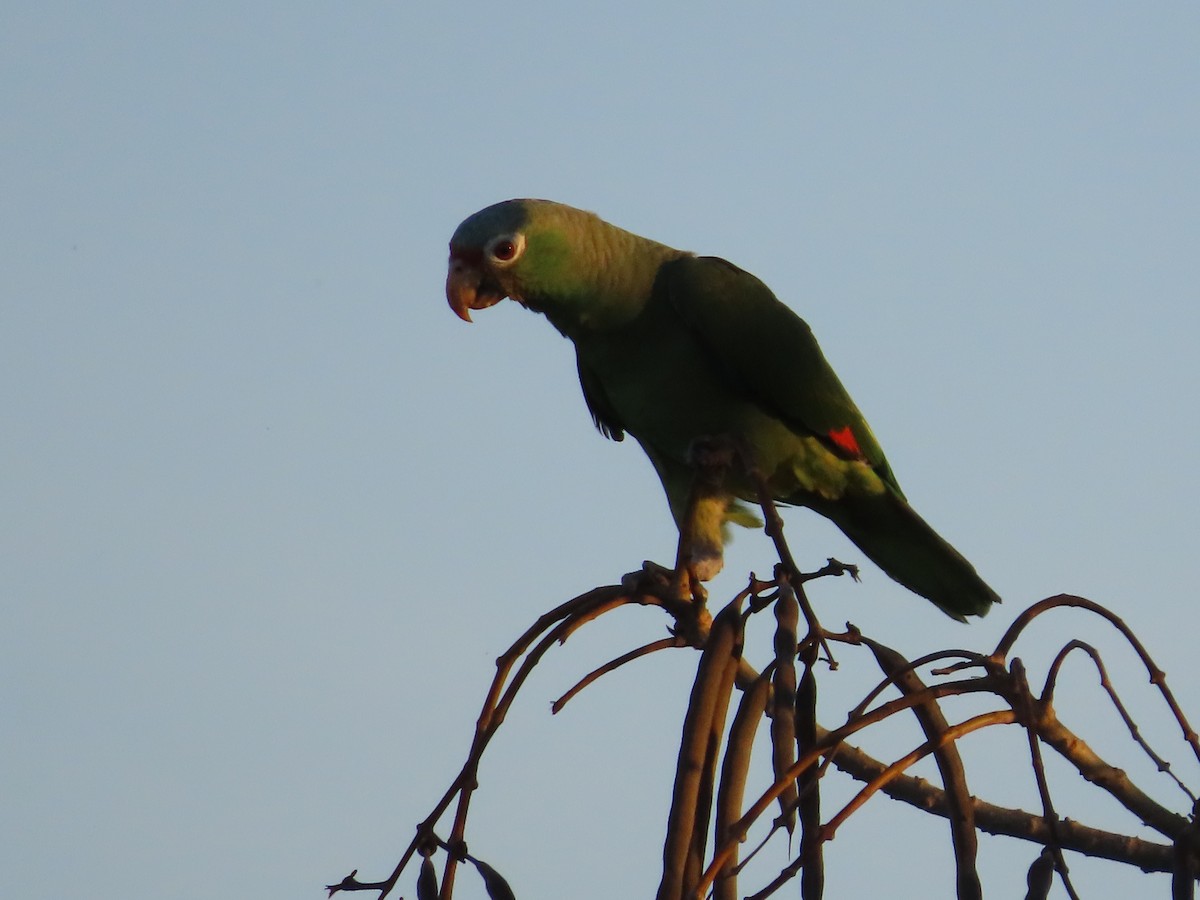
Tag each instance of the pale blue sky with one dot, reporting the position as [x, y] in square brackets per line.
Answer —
[268, 511]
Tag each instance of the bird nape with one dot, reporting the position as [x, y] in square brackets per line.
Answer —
[674, 348]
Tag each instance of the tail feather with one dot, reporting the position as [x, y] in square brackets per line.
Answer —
[903, 544]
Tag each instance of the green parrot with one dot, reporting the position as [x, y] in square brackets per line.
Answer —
[676, 349]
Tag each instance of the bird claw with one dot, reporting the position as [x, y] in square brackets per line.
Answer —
[655, 580]
[678, 591]
[651, 579]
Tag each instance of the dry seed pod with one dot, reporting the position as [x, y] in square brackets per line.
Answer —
[716, 730]
[493, 882]
[812, 877]
[1040, 877]
[427, 886]
[783, 711]
[737, 754]
[734, 770]
[711, 675]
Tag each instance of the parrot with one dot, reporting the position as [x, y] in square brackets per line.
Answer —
[678, 349]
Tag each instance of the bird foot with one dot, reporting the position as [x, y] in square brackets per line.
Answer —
[651, 579]
[680, 585]
[678, 591]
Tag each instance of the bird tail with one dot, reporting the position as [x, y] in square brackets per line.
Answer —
[903, 544]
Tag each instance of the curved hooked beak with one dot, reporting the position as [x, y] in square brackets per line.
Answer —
[468, 289]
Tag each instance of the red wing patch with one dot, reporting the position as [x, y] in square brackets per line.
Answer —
[843, 438]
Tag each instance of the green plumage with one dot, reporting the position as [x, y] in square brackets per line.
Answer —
[672, 348]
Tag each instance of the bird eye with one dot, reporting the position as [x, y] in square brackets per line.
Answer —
[506, 248]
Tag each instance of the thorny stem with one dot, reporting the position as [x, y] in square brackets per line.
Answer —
[1023, 705]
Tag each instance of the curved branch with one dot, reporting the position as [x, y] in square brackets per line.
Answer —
[953, 733]
[1076, 751]
[1110, 689]
[950, 766]
[1008, 821]
[1157, 676]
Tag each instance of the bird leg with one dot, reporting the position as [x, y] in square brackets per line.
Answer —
[701, 528]
[700, 552]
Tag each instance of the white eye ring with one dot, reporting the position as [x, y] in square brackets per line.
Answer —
[505, 249]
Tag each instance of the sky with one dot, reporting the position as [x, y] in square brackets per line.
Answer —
[269, 511]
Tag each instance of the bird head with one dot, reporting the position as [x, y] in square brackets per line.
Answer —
[579, 271]
[487, 257]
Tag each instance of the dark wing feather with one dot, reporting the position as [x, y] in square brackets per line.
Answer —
[770, 353]
[597, 403]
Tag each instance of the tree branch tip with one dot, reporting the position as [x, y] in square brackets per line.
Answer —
[350, 883]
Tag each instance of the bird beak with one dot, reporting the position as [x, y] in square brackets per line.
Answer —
[467, 289]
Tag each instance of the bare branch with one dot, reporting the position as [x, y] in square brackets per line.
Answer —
[1007, 821]
[1024, 706]
[645, 650]
[1098, 772]
[1157, 676]
[1106, 683]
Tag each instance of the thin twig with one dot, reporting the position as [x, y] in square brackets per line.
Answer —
[1157, 676]
[495, 710]
[970, 660]
[1024, 707]
[611, 665]
[1106, 683]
